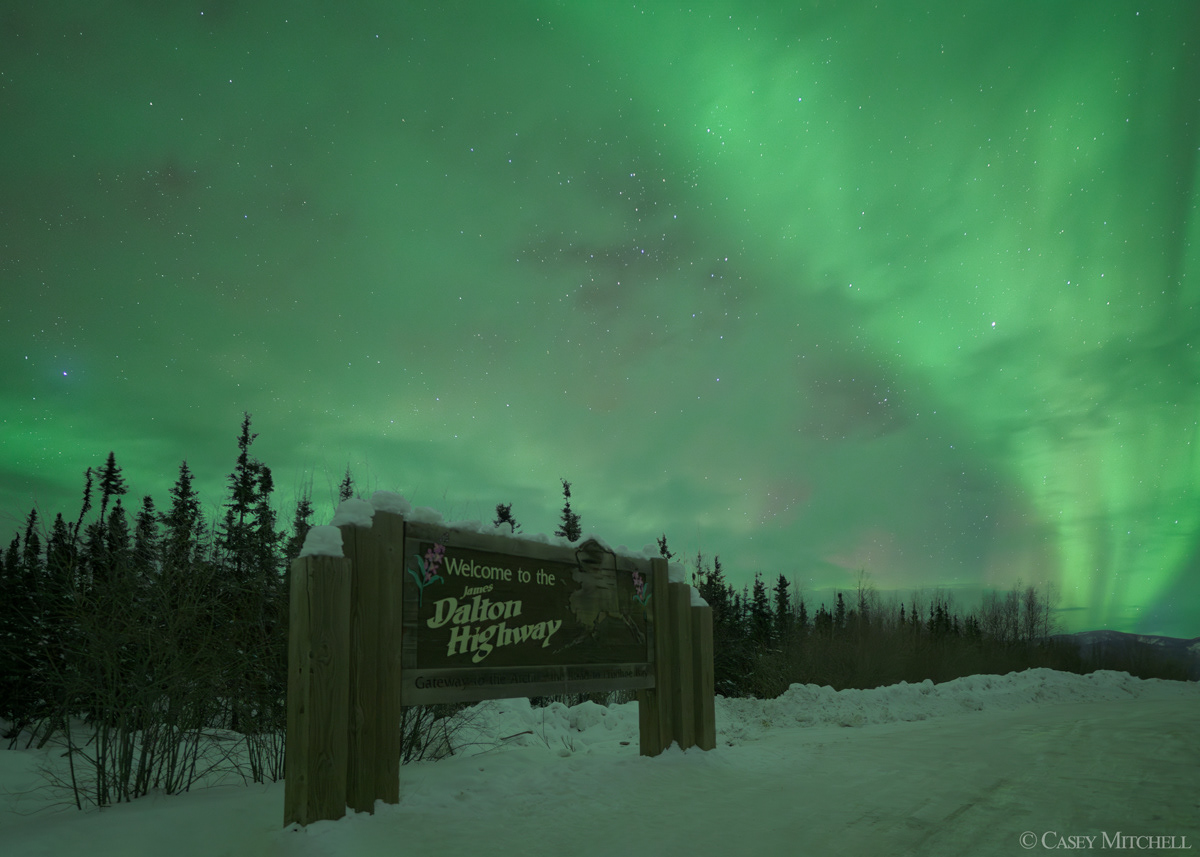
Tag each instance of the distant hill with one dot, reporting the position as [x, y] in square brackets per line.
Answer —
[1117, 647]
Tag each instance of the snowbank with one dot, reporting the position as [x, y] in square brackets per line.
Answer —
[809, 705]
[513, 722]
[547, 781]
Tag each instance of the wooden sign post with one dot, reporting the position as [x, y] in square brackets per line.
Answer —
[425, 614]
[318, 690]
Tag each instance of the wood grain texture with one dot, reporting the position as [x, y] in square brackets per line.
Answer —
[702, 671]
[318, 690]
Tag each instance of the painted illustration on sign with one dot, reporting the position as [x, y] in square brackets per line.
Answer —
[598, 599]
[641, 589]
[426, 572]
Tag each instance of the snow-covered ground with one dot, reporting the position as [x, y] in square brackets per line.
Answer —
[1030, 761]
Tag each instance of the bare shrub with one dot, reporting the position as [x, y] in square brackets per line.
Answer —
[144, 667]
[427, 731]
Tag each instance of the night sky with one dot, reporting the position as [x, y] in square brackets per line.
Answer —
[912, 289]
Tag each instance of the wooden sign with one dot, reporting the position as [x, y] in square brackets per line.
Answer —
[415, 613]
[487, 617]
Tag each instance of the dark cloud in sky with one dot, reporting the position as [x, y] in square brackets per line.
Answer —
[817, 289]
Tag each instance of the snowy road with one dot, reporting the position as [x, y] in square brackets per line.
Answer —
[962, 768]
[969, 784]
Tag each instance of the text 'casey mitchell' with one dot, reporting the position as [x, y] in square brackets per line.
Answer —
[467, 635]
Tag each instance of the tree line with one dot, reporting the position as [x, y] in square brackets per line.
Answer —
[135, 637]
[129, 635]
[765, 640]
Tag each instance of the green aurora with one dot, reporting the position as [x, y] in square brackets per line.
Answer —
[816, 287]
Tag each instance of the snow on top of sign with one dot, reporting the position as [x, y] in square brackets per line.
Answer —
[322, 541]
[424, 515]
[353, 511]
[586, 537]
[359, 513]
[390, 501]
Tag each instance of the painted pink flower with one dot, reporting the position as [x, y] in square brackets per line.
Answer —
[428, 566]
[433, 558]
[639, 587]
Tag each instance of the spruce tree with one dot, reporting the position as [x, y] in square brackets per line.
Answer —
[235, 539]
[569, 528]
[716, 591]
[739, 626]
[863, 598]
[60, 550]
[93, 562]
[61, 631]
[16, 694]
[729, 663]
[823, 622]
[119, 599]
[761, 617]
[346, 488]
[266, 537]
[504, 516]
[145, 539]
[112, 484]
[301, 524]
[31, 556]
[118, 546]
[267, 680]
[248, 579]
[971, 629]
[12, 557]
[783, 612]
[187, 576]
[663, 549]
[183, 525]
[23, 652]
[86, 505]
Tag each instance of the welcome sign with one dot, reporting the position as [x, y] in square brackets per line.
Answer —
[487, 617]
[412, 613]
